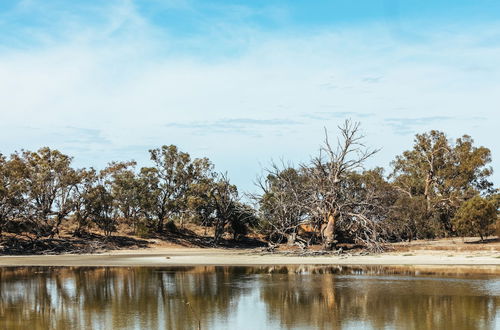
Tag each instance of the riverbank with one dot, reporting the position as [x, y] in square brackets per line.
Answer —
[453, 255]
[252, 257]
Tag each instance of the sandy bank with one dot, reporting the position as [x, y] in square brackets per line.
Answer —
[196, 256]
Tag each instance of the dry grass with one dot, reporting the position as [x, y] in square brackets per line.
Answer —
[468, 244]
[93, 241]
[191, 236]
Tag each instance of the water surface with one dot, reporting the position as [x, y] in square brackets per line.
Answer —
[280, 297]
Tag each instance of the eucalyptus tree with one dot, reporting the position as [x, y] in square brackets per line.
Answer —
[127, 190]
[199, 201]
[366, 211]
[329, 193]
[244, 220]
[443, 173]
[148, 196]
[215, 202]
[418, 171]
[49, 182]
[476, 216]
[408, 218]
[176, 172]
[331, 200]
[11, 192]
[100, 200]
[83, 200]
[223, 199]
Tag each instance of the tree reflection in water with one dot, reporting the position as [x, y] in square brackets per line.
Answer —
[291, 297]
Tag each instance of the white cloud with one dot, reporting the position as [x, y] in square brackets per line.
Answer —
[123, 81]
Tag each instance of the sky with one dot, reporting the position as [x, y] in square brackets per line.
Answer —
[245, 82]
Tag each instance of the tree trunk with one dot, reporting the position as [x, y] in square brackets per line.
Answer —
[159, 228]
[55, 228]
[329, 232]
[427, 188]
[219, 231]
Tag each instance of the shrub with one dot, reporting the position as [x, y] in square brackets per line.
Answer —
[475, 217]
[170, 226]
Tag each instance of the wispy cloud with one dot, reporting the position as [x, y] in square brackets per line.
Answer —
[79, 135]
[56, 136]
[328, 115]
[244, 126]
[372, 80]
[405, 126]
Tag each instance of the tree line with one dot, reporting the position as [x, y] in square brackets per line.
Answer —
[39, 190]
[438, 188]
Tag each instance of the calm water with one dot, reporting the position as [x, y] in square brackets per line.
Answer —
[243, 298]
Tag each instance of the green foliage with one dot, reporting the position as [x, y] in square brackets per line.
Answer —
[11, 192]
[495, 199]
[176, 173]
[408, 219]
[497, 228]
[445, 175]
[49, 182]
[433, 189]
[101, 209]
[170, 226]
[476, 217]
[83, 200]
[243, 219]
[223, 200]
[142, 230]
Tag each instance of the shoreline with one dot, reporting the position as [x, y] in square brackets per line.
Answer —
[166, 257]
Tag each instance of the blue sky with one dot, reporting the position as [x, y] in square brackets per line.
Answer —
[244, 82]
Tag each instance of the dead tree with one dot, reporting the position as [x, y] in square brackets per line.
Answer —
[330, 200]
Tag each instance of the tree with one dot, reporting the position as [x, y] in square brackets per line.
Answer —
[418, 171]
[476, 217]
[176, 172]
[100, 202]
[127, 190]
[329, 198]
[199, 201]
[244, 218]
[49, 182]
[495, 199]
[445, 174]
[148, 195]
[83, 199]
[408, 219]
[11, 192]
[365, 213]
[281, 202]
[224, 198]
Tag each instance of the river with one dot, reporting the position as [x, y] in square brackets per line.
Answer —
[259, 297]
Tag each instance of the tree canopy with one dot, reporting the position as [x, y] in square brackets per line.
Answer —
[439, 187]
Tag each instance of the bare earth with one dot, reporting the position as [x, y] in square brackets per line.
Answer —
[470, 255]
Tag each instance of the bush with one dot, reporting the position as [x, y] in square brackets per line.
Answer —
[143, 230]
[475, 217]
[170, 226]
